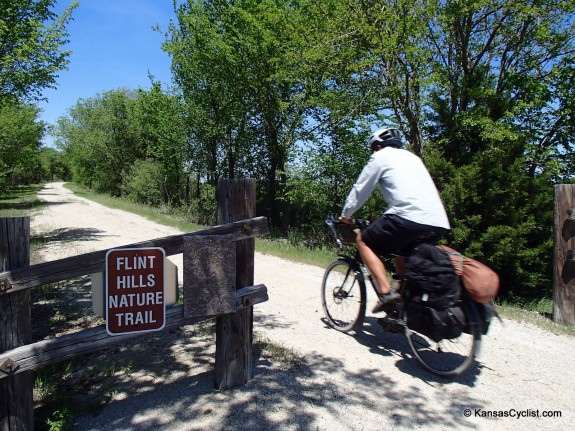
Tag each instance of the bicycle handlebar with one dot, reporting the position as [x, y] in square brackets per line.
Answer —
[332, 222]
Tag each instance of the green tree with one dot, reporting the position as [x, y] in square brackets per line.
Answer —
[31, 55]
[101, 139]
[500, 120]
[163, 134]
[204, 69]
[54, 165]
[481, 91]
[20, 135]
[31, 41]
[233, 62]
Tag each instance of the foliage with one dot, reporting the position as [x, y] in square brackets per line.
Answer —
[20, 134]
[143, 183]
[31, 55]
[31, 41]
[320, 182]
[54, 165]
[233, 62]
[162, 133]
[135, 144]
[100, 138]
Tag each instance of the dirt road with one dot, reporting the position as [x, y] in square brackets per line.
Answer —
[363, 382]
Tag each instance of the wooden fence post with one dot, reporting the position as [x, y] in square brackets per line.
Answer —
[234, 332]
[16, 392]
[564, 259]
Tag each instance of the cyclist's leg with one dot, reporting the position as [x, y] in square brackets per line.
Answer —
[374, 264]
[382, 237]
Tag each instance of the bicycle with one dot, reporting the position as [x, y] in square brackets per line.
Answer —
[344, 296]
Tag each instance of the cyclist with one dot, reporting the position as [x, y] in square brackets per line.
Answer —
[414, 208]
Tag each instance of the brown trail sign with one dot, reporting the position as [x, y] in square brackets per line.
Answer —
[135, 297]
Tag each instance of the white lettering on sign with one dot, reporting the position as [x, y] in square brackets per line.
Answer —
[133, 281]
[136, 262]
[129, 319]
[135, 299]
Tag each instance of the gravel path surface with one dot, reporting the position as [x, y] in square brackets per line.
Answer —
[342, 382]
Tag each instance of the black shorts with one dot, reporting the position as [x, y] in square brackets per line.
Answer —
[393, 234]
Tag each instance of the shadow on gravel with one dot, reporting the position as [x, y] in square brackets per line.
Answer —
[386, 343]
[67, 234]
[62, 307]
[381, 342]
[55, 203]
[165, 381]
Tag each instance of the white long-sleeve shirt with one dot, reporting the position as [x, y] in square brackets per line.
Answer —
[406, 185]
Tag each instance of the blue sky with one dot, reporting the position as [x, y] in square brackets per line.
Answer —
[113, 46]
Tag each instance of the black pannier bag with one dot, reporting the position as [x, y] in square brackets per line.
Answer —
[433, 300]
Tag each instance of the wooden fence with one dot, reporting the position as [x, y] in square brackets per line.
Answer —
[229, 249]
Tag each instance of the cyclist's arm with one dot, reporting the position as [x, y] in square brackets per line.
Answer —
[362, 188]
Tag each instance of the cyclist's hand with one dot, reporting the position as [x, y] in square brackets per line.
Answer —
[345, 220]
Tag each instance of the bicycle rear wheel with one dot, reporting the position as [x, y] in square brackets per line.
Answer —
[451, 357]
[343, 296]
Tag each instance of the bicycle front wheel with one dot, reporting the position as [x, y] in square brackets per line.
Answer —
[450, 357]
[343, 296]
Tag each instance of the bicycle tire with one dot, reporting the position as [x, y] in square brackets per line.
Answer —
[453, 357]
[343, 295]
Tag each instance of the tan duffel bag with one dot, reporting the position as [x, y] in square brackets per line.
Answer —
[479, 280]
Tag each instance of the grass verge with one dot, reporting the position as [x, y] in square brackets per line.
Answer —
[21, 201]
[536, 312]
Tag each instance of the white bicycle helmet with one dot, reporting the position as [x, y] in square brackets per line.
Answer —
[388, 137]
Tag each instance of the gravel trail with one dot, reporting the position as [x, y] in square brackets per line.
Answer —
[341, 382]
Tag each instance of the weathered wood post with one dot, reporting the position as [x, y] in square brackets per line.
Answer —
[16, 396]
[236, 201]
[564, 259]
